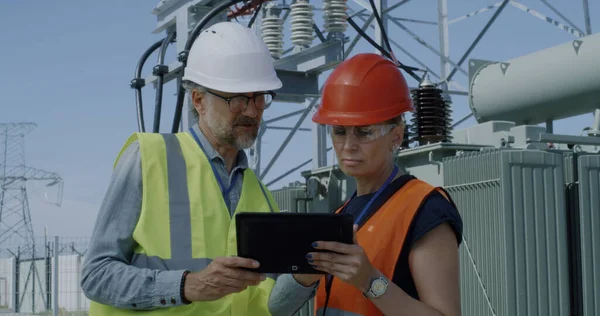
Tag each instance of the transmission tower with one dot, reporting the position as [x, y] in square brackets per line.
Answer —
[16, 229]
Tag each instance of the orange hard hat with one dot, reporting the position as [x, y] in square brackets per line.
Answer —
[363, 90]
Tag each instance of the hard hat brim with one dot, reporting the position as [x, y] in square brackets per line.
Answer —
[356, 118]
[270, 83]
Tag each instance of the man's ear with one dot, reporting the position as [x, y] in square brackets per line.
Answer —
[197, 100]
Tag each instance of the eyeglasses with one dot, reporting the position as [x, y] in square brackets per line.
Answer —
[239, 103]
[363, 134]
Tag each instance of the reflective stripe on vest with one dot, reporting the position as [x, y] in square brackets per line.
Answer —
[191, 225]
[382, 238]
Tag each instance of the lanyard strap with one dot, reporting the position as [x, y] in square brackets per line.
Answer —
[374, 197]
[224, 190]
[364, 211]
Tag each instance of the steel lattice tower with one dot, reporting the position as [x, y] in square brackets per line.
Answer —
[16, 230]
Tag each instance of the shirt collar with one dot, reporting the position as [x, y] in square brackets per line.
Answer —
[213, 155]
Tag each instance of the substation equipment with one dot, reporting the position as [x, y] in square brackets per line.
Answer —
[529, 198]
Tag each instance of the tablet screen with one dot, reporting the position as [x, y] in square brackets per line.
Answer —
[281, 241]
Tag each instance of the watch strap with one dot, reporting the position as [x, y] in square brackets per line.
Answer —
[369, 293]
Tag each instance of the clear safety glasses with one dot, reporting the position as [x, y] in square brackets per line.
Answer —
[239, 103]
[362, 134]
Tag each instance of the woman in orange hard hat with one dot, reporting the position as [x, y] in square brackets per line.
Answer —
[405, 257]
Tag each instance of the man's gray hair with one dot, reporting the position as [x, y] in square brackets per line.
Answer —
[189, 86]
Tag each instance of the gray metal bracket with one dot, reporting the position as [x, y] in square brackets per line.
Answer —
[325, 56]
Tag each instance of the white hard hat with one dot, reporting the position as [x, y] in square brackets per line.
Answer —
[229, 57]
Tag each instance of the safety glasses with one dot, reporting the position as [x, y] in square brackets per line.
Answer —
[239, 103]
[362, 134]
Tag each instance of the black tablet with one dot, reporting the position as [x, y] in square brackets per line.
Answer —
[280, 241]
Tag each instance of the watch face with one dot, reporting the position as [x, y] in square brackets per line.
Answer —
[379, 287]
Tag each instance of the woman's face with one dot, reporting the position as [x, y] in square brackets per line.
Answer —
[363, 150]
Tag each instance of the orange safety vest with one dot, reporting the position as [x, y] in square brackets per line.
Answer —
[382, 238]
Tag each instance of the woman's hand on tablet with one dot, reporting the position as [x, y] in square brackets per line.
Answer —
[348, 262]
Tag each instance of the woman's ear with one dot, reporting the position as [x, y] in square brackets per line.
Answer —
[398, 134]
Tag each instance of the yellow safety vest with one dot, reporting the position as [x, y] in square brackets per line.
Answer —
[184, 223]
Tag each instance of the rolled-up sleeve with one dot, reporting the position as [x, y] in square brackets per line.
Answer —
[288, 296]
[107, 276]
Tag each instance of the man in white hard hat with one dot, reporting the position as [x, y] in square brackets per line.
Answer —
[164, 240]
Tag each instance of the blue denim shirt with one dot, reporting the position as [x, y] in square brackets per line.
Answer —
[107, 276]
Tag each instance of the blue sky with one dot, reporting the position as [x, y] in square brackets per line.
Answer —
[66, 66]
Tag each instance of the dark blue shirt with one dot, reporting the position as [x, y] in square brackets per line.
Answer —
[434, 211]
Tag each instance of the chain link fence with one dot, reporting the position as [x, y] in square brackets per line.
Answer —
[31, 274]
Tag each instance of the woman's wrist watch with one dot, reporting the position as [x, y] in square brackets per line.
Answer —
[377, 288]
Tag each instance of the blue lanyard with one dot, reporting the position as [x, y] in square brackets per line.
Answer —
[368, 205]
[224, 191]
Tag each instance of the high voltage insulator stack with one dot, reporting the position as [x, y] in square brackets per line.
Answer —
[301, 15]
[335, 13]
[406, 136]
[272, 29]
[431, 119]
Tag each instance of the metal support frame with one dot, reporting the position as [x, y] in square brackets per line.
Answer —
[586, 16]
[318, 58]
[446, 73]
[300, 71]
[477, 39]
[562, 26]
[289, 137]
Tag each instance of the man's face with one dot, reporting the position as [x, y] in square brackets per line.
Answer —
[233, 129]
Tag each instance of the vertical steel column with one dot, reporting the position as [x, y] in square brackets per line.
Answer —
[586, 14]
[444, 41]
[319, 143]
[549, 126]
[258, 149]
[381, 6]
[55, 277]
[595, 130]
[182, 29]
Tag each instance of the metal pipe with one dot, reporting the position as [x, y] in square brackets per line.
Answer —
[159, 71]
[138, 83]
[184, 54]
[525, 90]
